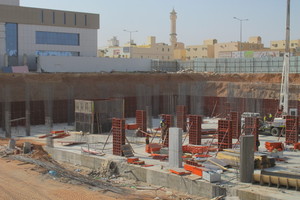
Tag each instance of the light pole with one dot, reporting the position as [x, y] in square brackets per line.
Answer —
[241, 32]
[130, 33]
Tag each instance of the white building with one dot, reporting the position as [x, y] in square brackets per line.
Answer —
[26, 33]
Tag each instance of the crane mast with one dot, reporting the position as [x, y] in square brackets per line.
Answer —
[284, 91]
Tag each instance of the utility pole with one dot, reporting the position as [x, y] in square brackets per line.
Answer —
[130, 39]
[241, 32]
[284, 91]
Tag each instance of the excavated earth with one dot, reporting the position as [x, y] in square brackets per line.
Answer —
[107, 85]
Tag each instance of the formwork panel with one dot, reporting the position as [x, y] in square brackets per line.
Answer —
[169, 121]
[251, 128]
[141, 121]
[224, 134]
[181, 115]
[195, 123]
[235, 117]
[292, 129]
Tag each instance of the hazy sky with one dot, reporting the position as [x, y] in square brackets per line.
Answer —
[197, 19]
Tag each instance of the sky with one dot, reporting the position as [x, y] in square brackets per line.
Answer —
[197, 20]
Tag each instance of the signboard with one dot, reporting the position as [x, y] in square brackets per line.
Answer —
[83, 106]
[116, 52]
[225, 54]
[263, 54]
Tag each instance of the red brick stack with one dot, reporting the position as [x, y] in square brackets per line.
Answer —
[141, 121]
[118, 131]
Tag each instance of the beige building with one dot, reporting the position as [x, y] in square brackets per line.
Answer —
[253, 44]
[151, 50]
[280, 46]
[201, 51]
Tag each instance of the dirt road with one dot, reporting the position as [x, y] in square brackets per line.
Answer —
[20, 182]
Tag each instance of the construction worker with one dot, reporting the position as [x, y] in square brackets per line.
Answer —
[270, 117]
[265, 118]
[164, 127]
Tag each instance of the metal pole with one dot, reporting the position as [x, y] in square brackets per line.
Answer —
[241, 32]
[284, 91]
[130, 38]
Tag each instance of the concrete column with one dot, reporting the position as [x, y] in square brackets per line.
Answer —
[26, 147]
[27, 110]
[175, 147]
[247, 158]
[49, 141]
[3, 116]
[48, 104]
[2, 98]
[11, 144]
[70, 106]
[7, 113]
[149, 116]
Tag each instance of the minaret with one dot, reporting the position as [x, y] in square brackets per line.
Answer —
[173, 35]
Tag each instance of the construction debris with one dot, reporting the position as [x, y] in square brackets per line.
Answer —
[232, 157]
[62, 172]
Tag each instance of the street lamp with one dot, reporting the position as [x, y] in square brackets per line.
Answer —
[241, 31]
[130, 33]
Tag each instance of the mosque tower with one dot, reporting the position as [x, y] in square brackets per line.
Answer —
[173, 35]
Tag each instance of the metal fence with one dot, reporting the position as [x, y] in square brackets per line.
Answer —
[240, 65]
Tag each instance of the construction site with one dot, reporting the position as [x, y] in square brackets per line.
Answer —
[94, 119]
[209, 129]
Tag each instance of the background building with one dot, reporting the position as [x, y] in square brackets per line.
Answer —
[201, 51]
[223, 50]
[151, 50]
[26, 33]
[279, 45]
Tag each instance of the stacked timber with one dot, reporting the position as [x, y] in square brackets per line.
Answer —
[232, 157]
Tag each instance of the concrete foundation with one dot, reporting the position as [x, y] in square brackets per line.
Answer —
[162, 177]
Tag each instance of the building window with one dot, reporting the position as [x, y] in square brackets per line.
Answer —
[11, 33]
[56, 53]
[75, 19]
[42, 16]
[168, 50]
[65, 18]
[85, 20]
[53, 17]
[56, 38]
[163, 49]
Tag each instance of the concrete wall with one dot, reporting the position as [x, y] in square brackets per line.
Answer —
[10, 2]
[150, 176]
[92, 64]
[39, 16]
[241, 65]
